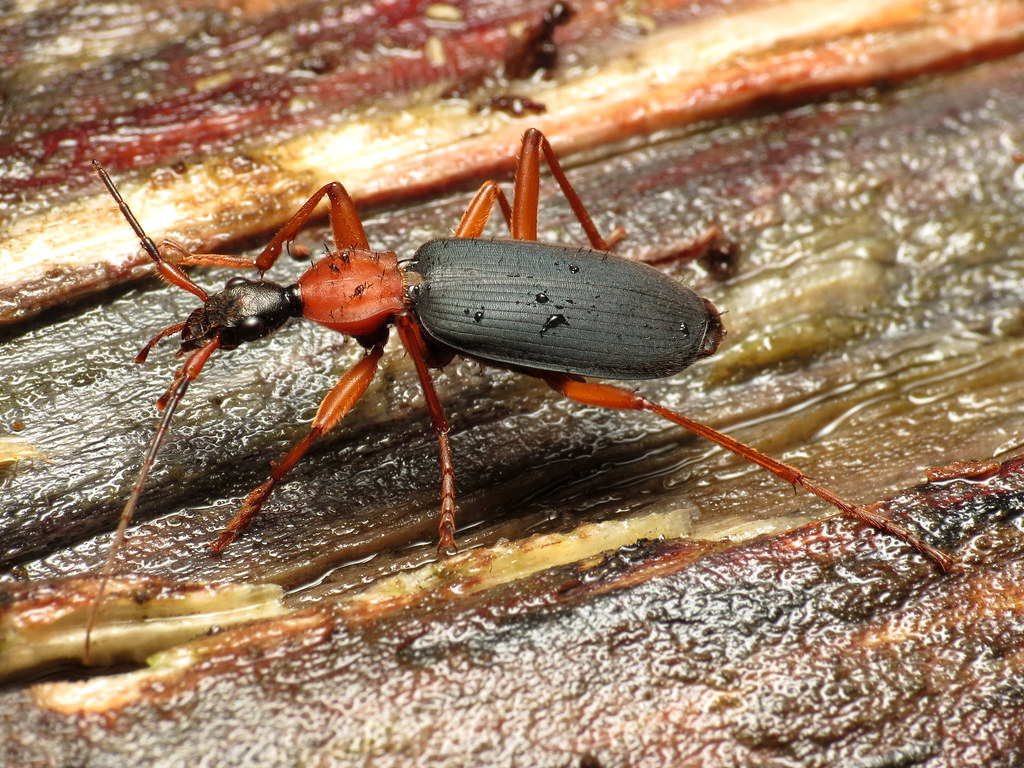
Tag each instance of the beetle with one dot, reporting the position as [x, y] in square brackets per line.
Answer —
[554, 312]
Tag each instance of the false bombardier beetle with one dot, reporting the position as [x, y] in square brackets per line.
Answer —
[553, 312]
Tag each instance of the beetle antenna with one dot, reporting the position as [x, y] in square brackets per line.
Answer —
[188, 372]
[147, 242]
[129, 510]
[169, 271]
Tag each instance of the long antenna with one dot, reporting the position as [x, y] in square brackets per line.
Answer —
[172, 273]
[185, 376]
[168, 403]
[129, 509]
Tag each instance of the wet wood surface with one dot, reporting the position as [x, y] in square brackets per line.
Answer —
[821, 646]
[221, 120]
[874, 324]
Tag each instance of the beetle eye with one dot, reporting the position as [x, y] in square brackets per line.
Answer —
[252, 328]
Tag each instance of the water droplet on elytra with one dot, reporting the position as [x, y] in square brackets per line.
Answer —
[553, 321]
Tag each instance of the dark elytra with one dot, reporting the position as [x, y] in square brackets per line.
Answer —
[560, 308]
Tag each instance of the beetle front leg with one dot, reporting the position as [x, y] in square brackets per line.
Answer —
[333, 408]
[188, 259]
[619, 398]
[346, 227]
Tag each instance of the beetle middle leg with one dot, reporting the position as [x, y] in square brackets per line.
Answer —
[338, 402]
[620, 398]
[521, 216]
[412, 339]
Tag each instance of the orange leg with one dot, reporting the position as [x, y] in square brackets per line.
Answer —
[610, 396]
[168, 331]
[168, 270]
[415, 345]
[479, 210]
[347, 230]
[527, 190]
[521, 216]
[345, 224]
[338, 402]
[188, 259]
[346, 227]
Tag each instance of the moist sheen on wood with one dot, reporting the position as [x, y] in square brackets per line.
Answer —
[225, 135]
[816, 647]
[875, 330]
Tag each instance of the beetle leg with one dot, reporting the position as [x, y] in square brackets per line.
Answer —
[415, 344]
[333, 408]
[168, 270]
[345, 224]
[188, 259]
[347, 231]
[711, 248]
[168, 331]
[526, 193]
[479, 210]
[610, 396]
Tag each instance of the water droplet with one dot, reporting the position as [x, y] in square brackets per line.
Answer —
[478, 315]
[574, 268]
[542, 298]
[553, 321]
[684, 329]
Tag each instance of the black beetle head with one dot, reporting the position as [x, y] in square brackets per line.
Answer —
[245, 310]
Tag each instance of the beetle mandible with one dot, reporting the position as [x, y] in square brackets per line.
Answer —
[554, 312]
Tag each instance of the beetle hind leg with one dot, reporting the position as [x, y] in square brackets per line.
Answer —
[521, 215]
[525, 199]
[619, 398]
[479, 210]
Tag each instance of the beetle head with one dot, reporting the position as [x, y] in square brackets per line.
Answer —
[245, 310]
